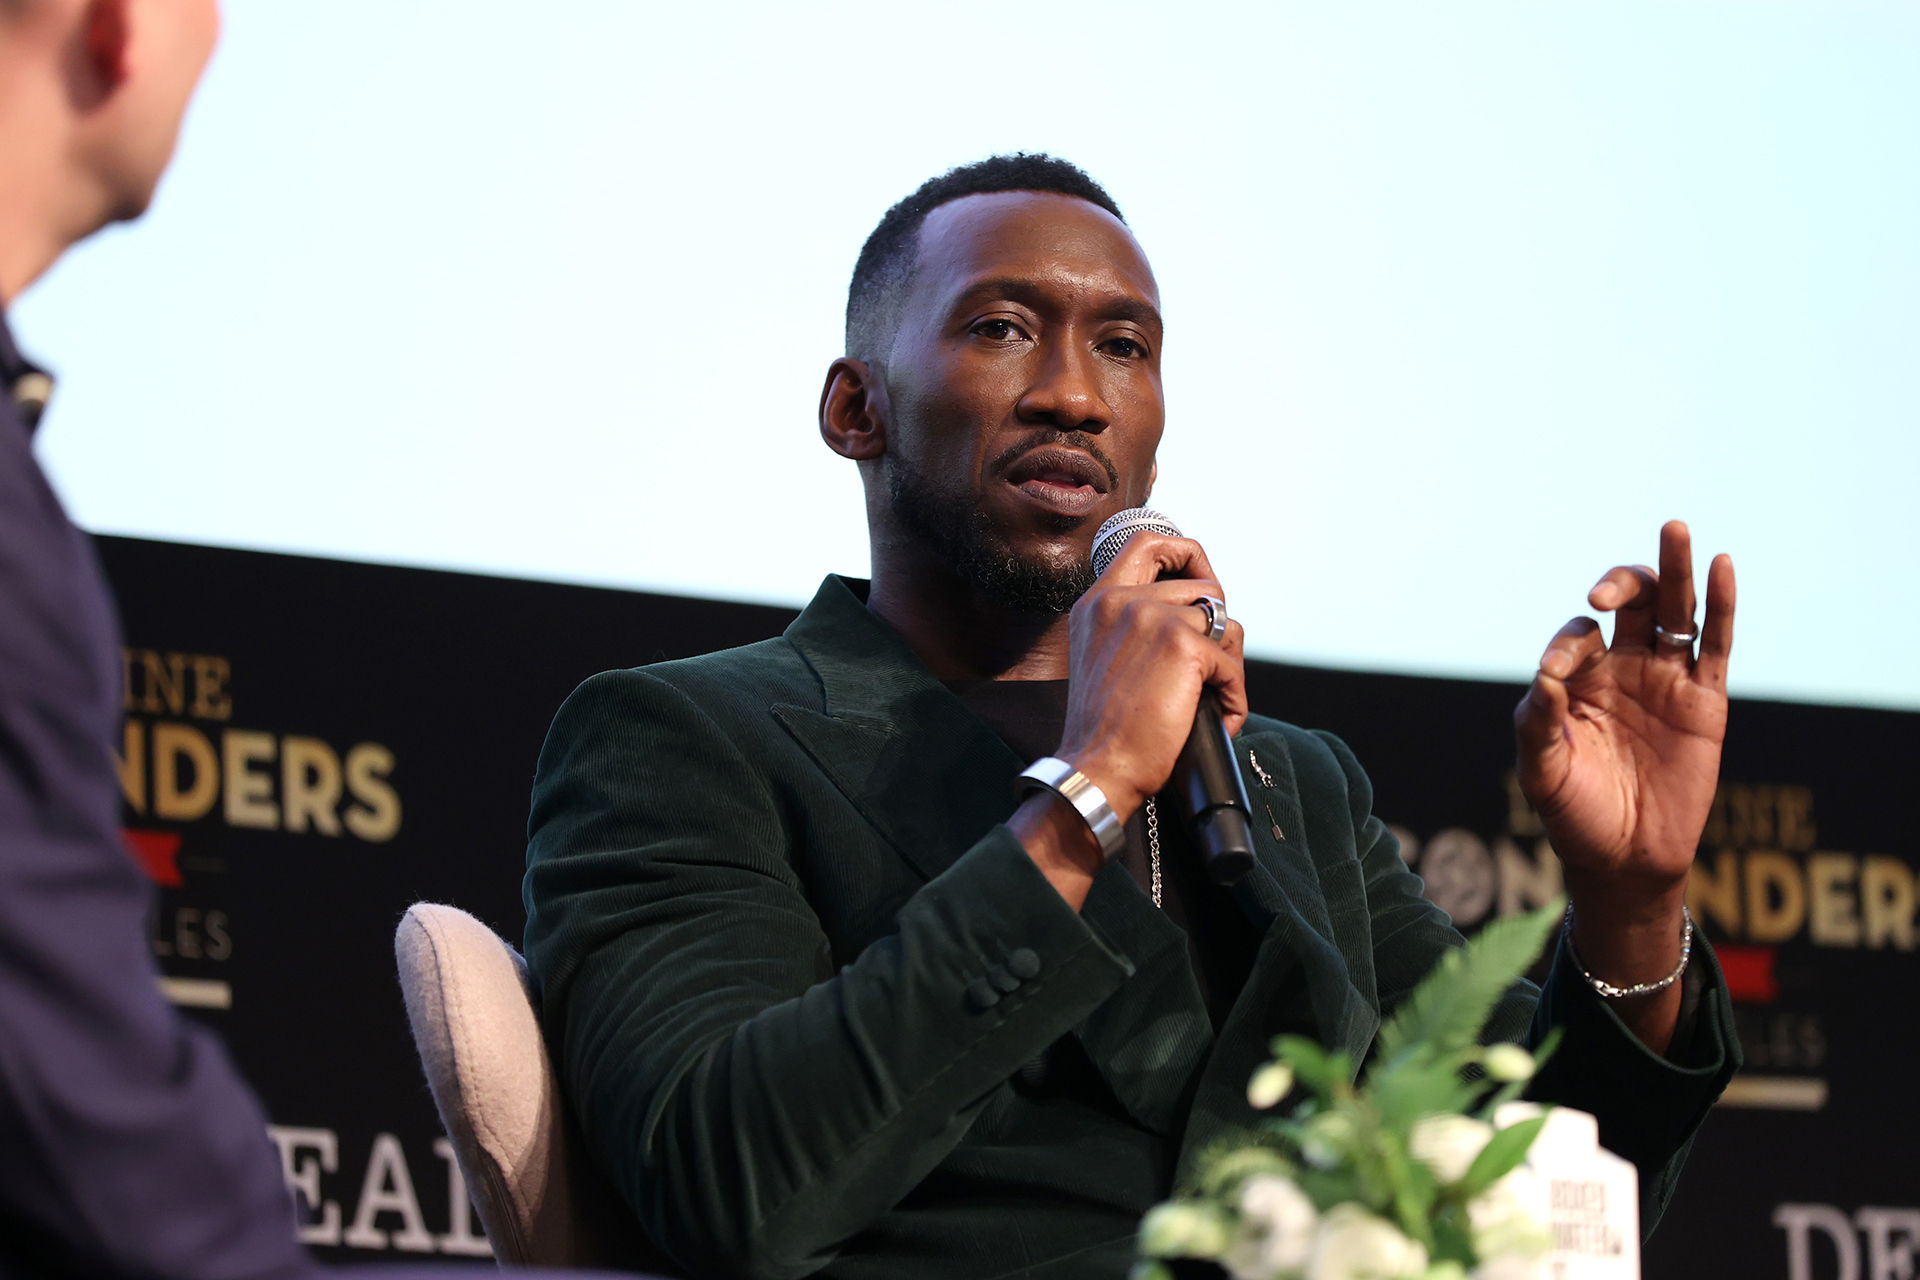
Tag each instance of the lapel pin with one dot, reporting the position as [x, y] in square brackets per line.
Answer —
[1266, 780]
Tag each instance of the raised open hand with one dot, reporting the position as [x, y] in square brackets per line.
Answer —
[1619, 746]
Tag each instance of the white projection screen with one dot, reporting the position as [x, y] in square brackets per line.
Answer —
[1463, 299]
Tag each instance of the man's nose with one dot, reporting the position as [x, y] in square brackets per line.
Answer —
[1066, 392]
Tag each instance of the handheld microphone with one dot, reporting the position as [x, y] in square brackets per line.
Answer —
[1206, 776]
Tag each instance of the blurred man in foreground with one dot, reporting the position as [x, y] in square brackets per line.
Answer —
[129, 1146]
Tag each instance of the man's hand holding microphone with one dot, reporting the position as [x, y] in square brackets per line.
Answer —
[1145, 640]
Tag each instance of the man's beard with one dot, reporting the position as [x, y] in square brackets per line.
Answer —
[962, 535]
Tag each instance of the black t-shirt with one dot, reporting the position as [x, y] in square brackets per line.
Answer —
[1030, 716]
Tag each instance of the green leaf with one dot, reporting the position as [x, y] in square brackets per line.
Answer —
[1225, 1172]
[1501, 1097]
[1413, 1087]
[1508, 1093]
[1450, 1006]
[1413, 1190]
[1452, 1238]
[1185, 1229]
[1500, 1156]
[1327, 1188]
[1317, 1069]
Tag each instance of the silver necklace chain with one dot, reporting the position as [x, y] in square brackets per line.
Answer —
[1266, 780]
[1153, 846]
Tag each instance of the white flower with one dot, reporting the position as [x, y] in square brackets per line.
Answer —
[1278, 1205]
[1326, 1139]
[1269, 1084]
[1448, 1145]
[1246, 1259]
[1507, 1062]
[1352, 1244]
[1508, 1218]
[1277, 1222]
[1184, 1229]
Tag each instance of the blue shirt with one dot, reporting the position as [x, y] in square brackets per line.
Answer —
[129, 1145]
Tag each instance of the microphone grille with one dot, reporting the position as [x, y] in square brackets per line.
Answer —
[1113, 535]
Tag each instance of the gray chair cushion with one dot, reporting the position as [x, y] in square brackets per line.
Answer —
[472, 1008]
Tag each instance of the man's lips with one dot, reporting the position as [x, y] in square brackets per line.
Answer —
[1065, 479]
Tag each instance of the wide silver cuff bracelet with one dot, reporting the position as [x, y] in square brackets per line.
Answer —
[1050, 773]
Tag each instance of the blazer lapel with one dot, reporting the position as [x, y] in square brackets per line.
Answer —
[1318, 904]
[925, 771]
[1303, 980]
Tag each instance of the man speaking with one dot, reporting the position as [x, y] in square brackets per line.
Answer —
[828, 999]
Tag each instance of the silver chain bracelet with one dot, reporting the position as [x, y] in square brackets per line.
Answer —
[1612, 992]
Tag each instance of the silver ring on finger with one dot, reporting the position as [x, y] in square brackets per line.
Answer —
[1216, 617]
[1677, 639]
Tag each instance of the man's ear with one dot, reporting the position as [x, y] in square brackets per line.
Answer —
[1153, 478]
[106, 38]
[853, 411]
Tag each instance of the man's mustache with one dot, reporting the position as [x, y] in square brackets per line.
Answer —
[1085, 441]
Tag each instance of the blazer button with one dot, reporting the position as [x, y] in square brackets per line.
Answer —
[1000, 978]
[981, 996]
[1024, 964]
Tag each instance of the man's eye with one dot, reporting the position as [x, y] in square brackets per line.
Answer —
[998, 330]
[1125, 348]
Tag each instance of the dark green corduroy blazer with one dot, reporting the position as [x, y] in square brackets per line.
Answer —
[790, 960]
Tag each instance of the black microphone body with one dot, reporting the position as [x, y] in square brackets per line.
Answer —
[1207, 776]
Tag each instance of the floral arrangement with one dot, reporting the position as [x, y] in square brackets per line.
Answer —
[1406, 1174]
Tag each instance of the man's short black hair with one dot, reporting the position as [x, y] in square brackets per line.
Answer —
[886, 261]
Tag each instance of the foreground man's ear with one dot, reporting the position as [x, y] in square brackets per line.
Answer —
[106, 33]
[853, 411]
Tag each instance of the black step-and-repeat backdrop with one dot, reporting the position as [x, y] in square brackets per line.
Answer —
[311, 746]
